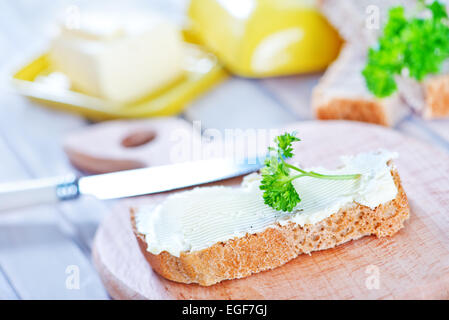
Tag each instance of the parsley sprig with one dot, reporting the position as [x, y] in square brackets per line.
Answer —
[417, 46]
[279, 192]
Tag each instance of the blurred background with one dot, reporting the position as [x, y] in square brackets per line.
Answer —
[67, 65]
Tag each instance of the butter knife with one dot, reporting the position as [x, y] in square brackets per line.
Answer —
[123, 184]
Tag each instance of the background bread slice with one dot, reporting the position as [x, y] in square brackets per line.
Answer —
[352, 18]
[342, 93]
[436, 93]
[429, 98]
[240, 257]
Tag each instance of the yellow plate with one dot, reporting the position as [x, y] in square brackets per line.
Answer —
[39, 81]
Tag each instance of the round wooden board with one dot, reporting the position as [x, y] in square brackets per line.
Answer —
[125, 145]
[412, 264]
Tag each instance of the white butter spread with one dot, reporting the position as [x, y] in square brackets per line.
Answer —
[196, 219]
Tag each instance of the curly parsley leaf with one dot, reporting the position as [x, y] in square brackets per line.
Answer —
[438, 10]
[416, 45]
[279, 191]
[284, 143]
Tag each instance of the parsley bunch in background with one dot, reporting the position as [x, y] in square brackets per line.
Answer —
[279, 192]
[416, 45]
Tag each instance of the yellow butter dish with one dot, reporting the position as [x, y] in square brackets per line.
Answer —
[40, 80]
[258, 38]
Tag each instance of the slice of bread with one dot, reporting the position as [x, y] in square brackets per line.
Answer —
[436, 95]
[342, 93]
[353, 19]
[429, 98]
[241, 257]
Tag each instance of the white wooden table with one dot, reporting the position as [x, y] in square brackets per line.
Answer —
[41, 248]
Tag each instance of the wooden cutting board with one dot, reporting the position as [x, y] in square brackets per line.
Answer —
[412, 264]
[124, 145]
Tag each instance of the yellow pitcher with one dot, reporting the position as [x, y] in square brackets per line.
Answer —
[259, 38]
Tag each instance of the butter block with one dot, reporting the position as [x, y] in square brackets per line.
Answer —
[258, 38]
[119, 57]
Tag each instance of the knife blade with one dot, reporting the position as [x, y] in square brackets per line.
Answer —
[124, 184]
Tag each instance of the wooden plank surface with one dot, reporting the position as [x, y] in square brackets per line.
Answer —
[441, 127]
[30, 145]
[235, 103]
[38, 246]
[7, 292]
[438, 136]
[294, 92]
[34, 250]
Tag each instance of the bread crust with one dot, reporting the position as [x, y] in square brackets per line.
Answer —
[370, 111]
[241, 257]
[437, 97]
[355, 102]
[434, 102]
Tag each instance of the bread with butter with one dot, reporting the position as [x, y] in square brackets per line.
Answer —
[342, 93]
[242, 256]
[429, 98]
